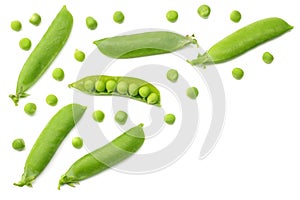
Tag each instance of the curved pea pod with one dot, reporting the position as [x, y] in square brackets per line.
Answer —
[87, 86]
[243, 40]
[44, 53]
[49, 140]
[143, 44]
[105, 157]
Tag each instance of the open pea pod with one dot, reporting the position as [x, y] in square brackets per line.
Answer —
[130, 87]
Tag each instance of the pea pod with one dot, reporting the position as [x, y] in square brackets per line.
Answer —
[105, 157]
[44, 53]
[243, 40]
[89, 84]
[143, 44]
[49, 140]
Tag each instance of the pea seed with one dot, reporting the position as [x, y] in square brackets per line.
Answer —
[35, 19]
[77, 142]
[98, 116]
[18, 144]
[121, 117]
[51, 100]
[91, 23]
[172, 75]
[204, 11]
[268, 57]
[235, 16]
[144, 91]
[237, 73]
[16, 25]
[100, 86]
[118, 17]
[25, 44]
[133, 89]
[122, 87]
[111, 85]
[172, 16]
[89, 85]
[79, 55]
[152, 98]
[30, 108]
[192, 92]
[170, 119]
[58, 74]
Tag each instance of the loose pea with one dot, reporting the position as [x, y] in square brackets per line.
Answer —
[118, 17]
[122, 87]
[89, 85]
[237, 73]
[98, 116]
[25, 44]
[58, 74]
[268, 57]
[235, 16]
[169, 119]
[18, 144]
[192, 92]
[35, 19]
[144, 91]
[152, 98]
[172, 16]
[91, 23]
[30, 108]
[79, 55]
[111, 85]
[100, 86]
[16, 25]
[51, 100]
[133, 89]
[121, 117]
[204, 11]
[77, 142]
[172, 75]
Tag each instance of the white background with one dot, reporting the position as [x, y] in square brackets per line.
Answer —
[257, 156]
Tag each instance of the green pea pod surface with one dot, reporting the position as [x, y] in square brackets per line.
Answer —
[44, 53]
[243, 40]
[49, 140]
[105, 157]
[80, 85]
[143, 44]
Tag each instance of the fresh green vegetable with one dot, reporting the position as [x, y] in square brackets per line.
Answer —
[105, 157]
[204, 11]
[143, 44]
[172, 16]
[30, 108]
[235, 16]
[243, 40]
[118, 17]
[25, 44]
[192, 92]
[44, 53]
[18, 144]
[49, 140]
[98, 116]
[170, 119]
[237, 73]
[58, 74]
[77, 142]
[121, 117]
[137, 89]
[172, 75]
[16, 25]
[51, 100]
[268, 57]
[79, 55]
[35, 19]
[91, 23]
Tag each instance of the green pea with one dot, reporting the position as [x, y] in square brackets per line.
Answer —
[121, 117]
[30, 108]
[77, 142]
[235, 16]
[237, 73]
[79, 55]
[192, 92]
[133, 89]
[100, 86]
[268, 57]
[204, 11]
[25, 44]
[16, 25]
[18, 144]
[58, 74]
[153, 98]
[91, 23]
[144, 91]
[172, 16]
[35, 19]
[172, 75]
[122, 87]
[111, 85]
[51, 100]
[118, 17]
[98, 116]
[169, 119]
[89, 85]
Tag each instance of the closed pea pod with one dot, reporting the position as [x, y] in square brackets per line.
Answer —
[49, 140]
